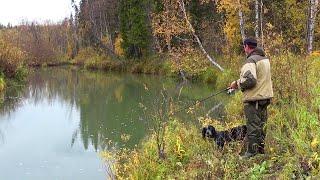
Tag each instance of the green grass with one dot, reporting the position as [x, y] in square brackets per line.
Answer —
[196, 67]
[292, 151]
[292, 141]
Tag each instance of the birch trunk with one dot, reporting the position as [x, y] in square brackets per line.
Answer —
[261, 21]
[212, 60]
[313, 6]
[242, 31]
[256, 28]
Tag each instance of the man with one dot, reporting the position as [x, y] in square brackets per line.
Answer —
[255, 83]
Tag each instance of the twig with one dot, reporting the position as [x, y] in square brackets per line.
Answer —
[213, 109]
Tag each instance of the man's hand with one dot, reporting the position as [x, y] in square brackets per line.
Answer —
[234, 85]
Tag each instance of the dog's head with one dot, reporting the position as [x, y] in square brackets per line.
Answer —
[209, 132]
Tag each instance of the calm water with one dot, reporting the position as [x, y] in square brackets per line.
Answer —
[55, 127]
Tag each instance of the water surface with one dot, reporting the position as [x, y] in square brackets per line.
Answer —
[55, 127]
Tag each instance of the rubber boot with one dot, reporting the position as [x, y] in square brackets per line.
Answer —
[252, 150]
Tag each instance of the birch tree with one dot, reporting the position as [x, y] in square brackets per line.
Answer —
[212, 60]
[235, 20]
[241, 22]
[261, 23]
[168, 23]
[256, 27]
[313, 9]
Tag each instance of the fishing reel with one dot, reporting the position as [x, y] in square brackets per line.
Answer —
[231, 91]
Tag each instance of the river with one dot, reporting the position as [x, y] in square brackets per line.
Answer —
[56, 125]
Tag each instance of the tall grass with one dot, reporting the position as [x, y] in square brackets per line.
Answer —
[292, 141]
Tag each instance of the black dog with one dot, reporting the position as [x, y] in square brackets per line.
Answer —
[221, 137]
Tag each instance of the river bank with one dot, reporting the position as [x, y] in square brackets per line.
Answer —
[292, 142]
[194, 67]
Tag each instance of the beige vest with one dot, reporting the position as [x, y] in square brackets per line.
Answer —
[260, 68]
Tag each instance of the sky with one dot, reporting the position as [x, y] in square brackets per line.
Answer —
[14, 11]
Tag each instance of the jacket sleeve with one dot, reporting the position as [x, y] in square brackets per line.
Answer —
[248, 76]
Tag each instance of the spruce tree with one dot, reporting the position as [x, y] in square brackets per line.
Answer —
[134, 28]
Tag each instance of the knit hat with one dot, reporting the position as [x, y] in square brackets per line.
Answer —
[250, 41]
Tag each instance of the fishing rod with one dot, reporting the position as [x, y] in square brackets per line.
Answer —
[202, 100]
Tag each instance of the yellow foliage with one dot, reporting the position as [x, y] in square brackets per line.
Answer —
[117, 46]
[125, 137]
[315, 53]
[106, 40]
[232, 25]
[11, 57]
[179, 150]
[314, 143]
[2, 84]
[85, 54]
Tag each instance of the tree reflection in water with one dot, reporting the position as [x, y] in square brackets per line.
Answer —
[108, 103]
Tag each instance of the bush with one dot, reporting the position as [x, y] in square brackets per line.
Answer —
[224, 79]
[150, 65]
[11, 58]
[209, 76]
[144, 163]
[91, 59]
[292, 141]
[85, 55]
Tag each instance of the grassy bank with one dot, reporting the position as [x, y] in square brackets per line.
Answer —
[12, 66]
[292, 142]
[194, 66]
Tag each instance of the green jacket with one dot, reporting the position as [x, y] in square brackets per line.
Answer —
[255, 77]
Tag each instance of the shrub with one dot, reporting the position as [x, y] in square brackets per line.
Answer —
[292, 141]
[85, 55]
[11, 58]
[224, 79]
[2, 84]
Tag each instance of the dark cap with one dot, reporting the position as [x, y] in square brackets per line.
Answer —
[250, 42]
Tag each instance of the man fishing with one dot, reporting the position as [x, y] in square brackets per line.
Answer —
[256, 85]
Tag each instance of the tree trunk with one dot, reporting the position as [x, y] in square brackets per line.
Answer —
[149, 11]
[261, 23]
[242, 31]
[313, 6]
[212, 60]
[256, 28]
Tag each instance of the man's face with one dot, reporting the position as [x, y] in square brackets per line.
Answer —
[246, 49]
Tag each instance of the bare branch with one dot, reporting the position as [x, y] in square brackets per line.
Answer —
[213, 61]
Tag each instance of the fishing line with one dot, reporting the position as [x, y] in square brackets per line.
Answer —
[201, 100]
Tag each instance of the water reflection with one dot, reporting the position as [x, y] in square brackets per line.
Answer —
[108, 104]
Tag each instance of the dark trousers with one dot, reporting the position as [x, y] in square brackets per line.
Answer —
[256, 116]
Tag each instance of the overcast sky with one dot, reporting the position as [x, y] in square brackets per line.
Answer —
[14, 11]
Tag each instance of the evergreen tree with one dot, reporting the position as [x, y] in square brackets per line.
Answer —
[134, 28]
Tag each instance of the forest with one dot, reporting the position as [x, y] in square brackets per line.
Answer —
[112, 33]
[200, 40]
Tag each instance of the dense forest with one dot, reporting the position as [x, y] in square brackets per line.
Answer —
[132, 29]
[200, 40]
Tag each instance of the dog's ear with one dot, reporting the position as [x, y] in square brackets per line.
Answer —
[213, 131]
[204, 130]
